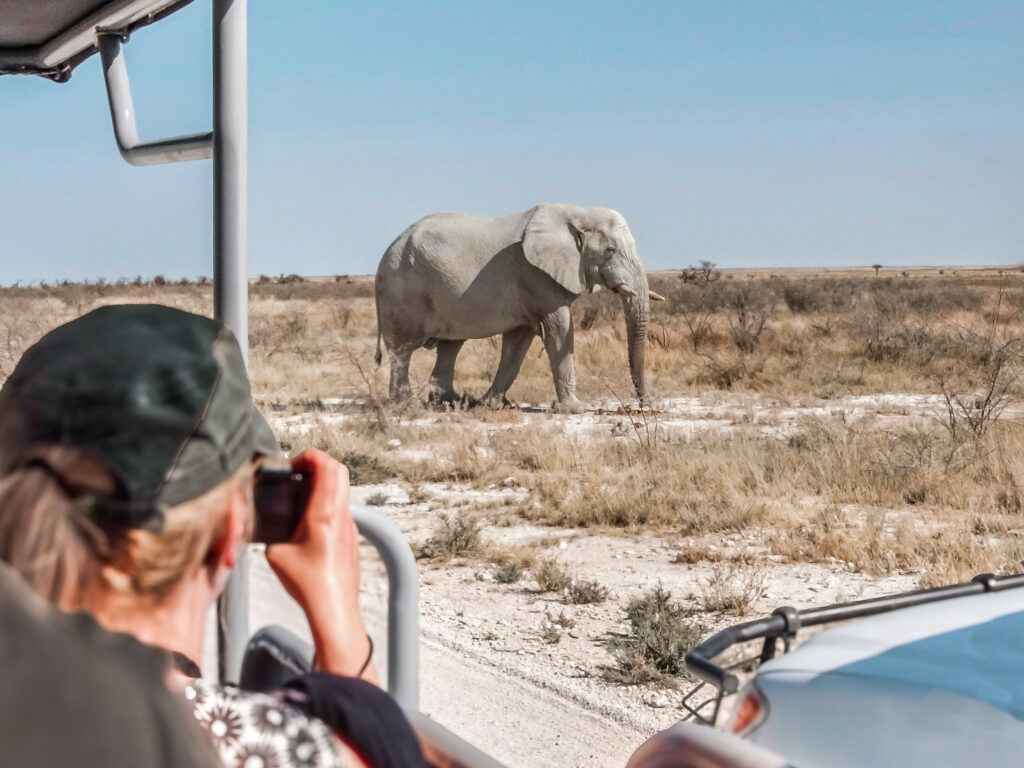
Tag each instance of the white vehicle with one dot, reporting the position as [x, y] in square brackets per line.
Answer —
[932, 678]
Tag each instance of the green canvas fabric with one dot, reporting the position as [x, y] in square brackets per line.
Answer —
[160, 395]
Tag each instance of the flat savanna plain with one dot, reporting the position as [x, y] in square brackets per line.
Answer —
[814, 436]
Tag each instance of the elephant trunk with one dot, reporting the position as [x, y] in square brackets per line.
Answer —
[638, 311]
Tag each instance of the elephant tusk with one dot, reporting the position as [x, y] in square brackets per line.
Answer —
[625, 290]
[655, 296]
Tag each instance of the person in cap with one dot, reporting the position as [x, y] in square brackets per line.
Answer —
[128, 447]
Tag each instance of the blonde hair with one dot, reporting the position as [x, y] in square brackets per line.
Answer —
[47, 536]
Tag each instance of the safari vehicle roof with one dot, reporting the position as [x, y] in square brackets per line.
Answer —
[51, 37]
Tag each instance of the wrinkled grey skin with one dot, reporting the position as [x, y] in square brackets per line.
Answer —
[451, 277]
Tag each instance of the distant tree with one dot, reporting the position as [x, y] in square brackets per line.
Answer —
[708, 271]
[876, 267]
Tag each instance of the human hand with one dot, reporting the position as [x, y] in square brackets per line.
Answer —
[319, 567]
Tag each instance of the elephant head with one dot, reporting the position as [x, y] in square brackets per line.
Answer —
[585, 248]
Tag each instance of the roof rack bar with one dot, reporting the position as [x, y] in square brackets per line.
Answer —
[197, 146]
[700, 660]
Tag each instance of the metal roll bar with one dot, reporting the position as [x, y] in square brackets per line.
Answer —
[197, 146]
[403, 603]
[439, 742]
[227, 145]
[230, 255]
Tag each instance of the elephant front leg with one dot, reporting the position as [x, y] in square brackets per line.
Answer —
[514, 346]
[442, 378]
[557, 333]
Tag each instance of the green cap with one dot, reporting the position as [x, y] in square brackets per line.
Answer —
[159, 395]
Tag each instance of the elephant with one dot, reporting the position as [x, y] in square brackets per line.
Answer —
[452, 276]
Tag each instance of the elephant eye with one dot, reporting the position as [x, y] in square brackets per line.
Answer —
[609, 252]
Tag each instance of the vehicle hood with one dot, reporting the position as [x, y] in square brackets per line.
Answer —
[971, 646]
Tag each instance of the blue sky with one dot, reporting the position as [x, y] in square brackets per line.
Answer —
[751, 134]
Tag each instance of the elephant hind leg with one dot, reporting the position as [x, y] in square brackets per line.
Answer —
[514, 346]
[398, 388]
[442, 378]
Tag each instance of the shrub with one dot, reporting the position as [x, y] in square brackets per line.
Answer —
[661, 633]
[509, 573]
[365, 470]
[583, 592]
[565, 622]
[378, 499]
[748, 306]
[732, 591]
[988, 391]
[550, 632]
[551, 576]
[455, 536]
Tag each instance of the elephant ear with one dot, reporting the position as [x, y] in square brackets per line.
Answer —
[552, 242]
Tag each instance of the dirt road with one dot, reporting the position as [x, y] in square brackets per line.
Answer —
[519, 720]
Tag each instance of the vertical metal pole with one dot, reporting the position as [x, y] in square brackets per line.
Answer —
[230, 276]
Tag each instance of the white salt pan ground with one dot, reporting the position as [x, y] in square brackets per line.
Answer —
[487, 673]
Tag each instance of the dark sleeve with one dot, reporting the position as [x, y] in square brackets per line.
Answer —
[74, 694]
[366, 718]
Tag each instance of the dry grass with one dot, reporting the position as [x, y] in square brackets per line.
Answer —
[586, 591]
[732, 590]
[455, 536]
[313, 339]
[702, 552]
[508, 573]
[550, 630]
[551, 575]
[942, 499]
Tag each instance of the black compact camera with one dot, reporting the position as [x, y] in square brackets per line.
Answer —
[280, 496]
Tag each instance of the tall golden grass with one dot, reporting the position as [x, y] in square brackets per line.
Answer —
[937, 497]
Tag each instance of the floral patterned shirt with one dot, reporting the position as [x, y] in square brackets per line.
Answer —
[258, 730]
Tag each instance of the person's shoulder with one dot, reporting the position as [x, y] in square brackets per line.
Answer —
[249, 728]
[75, 694]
